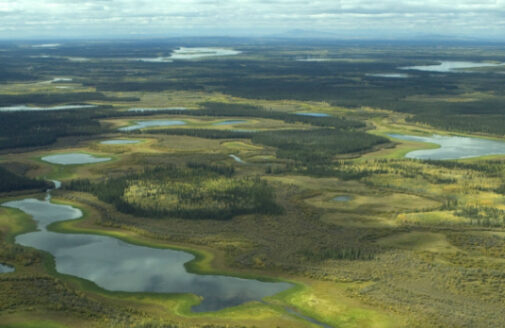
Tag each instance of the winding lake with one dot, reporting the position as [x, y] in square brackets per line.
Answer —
[74, 159]
[149, 124]
[6, 269]
[453, 147]
[450, 66]
[118, 266]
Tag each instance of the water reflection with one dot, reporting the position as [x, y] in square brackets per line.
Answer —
[149, 124]
[450, 66]
[6, 269]
[453, 147]
[118, 266]
[74, 159]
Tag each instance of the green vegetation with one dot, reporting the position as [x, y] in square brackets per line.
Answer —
[317, 146]
[196, 192]
[13, 182]
[42, 128]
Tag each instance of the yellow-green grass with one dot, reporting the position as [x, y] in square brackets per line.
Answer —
[194, 99]
[431, 218]
[419, 241]
[373, 203]
[359, 220]
[37, 87]
[33, 324]
[30, 320]
[328, 303]
[170, 143]
[241, 146]
[14, 222]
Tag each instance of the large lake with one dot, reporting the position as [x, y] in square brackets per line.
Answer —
[184, 53]
[118, 266]
[74, 159]
[150, 124]
[24, 108]
[389, 75]
[450, 66]
[453, 147]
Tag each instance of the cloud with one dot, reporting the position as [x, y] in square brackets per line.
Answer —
[25, 18]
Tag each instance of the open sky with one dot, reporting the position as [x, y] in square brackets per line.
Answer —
[343, 18]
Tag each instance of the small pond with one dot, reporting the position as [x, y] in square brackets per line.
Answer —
[120, 142]
[150, 124]
[314, 114]
[342, 198]
[74, 158]
[231, 122]
[453, 147]
[6, 269]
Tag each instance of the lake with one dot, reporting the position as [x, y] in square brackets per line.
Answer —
[450, 66]
[313, 60]
[184, 53]
[74, 159]
[120, 142]
[453, 147]
[231, 122]
[342, 198]
[115, 265]
[314, 114]
[142, 110]
[202, 52]
[6, 269]
[390, 75]
[24, 108]
[149, 124]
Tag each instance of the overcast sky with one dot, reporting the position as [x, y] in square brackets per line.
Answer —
[345, 18]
